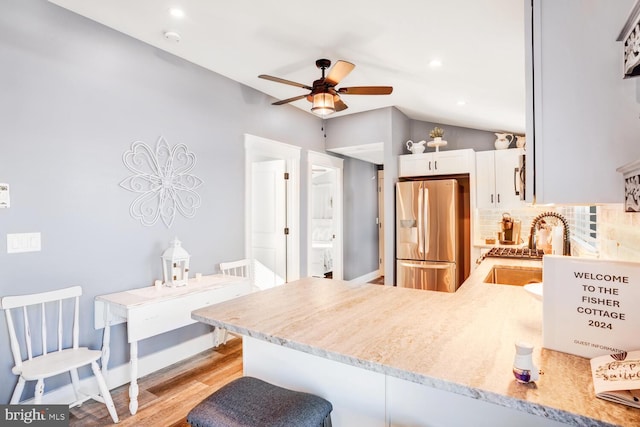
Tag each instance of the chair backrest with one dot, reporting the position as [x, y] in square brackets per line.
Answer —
[34, 313]
[240, 268]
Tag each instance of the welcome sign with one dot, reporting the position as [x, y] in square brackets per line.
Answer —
[590, 307]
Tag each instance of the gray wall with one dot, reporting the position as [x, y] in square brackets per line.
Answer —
[360, 191]
[400, 133]
[362, 128]
[360, 211]
[75, 95]
[457, 137]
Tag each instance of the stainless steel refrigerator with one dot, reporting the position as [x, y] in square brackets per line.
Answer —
[428, 246]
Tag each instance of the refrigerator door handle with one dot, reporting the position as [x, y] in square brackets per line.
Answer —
[425, 220]
[420, 224]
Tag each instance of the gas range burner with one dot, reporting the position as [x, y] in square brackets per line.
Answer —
[524, 253]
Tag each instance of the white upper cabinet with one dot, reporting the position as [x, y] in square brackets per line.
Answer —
[498, 178]
[583, 117]
[440, 163]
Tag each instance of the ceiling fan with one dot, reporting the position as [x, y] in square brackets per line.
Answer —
[323, 94]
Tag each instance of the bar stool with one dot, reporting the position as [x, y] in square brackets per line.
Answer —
[251, 402]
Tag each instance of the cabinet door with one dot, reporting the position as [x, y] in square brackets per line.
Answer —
[450, 162]
[507, 176]
[416, 165]
[440, 163]
[582, 116]
[485, 180]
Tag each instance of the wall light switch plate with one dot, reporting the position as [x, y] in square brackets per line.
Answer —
[23, 242]
[4, 196]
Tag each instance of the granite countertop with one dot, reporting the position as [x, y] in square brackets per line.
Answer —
[462, 342]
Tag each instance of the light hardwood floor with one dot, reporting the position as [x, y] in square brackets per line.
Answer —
[167, 396]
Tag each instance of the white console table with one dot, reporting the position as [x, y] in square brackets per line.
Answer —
[151, 311]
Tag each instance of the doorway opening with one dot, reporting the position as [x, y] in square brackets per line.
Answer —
[325, 216]
[272, 206]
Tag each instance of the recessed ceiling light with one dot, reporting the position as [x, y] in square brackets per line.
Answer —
[435, 63]
[462, 102]
[176, 13]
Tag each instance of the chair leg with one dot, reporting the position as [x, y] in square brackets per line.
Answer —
[17, 392]
[75, 381]
[39, 392]
[104, 390]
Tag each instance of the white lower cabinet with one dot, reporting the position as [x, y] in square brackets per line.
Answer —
[356, 394]
[362, 397]
[412, 404]
[440, 163]
[498, 178]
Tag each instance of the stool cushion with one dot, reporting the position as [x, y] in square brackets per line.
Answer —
[250, 402]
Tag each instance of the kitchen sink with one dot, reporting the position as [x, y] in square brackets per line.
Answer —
[514, 275]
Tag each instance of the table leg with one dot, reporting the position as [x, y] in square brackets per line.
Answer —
[106, 340]
[133, 386]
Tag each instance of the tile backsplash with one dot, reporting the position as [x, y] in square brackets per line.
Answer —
[618, 232]
[487, 221]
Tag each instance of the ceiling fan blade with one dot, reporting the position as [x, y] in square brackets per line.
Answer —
[286, 101]
[339, 105]
[366, 90]
[287, 82]
[339, 71]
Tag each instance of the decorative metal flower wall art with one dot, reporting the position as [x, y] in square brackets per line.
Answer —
[162, 178]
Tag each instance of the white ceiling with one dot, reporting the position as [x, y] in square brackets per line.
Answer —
[479, 42]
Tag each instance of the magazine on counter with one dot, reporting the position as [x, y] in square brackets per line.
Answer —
[616, 377]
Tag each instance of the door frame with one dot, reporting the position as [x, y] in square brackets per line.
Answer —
[335, 164]
[258, 149]
[381, 222]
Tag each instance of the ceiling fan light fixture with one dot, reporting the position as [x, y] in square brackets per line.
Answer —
[323, 104]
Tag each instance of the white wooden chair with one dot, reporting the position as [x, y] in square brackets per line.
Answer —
[240, 268]
[40, 363]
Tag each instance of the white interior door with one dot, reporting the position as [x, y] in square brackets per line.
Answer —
[272, 203]
[268, 222]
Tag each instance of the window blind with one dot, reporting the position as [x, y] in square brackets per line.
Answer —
[583, 225]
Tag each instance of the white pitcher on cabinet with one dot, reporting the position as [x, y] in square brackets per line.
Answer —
[416, 147]
[503, 141]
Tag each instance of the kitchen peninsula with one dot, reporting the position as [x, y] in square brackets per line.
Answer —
[396, 356]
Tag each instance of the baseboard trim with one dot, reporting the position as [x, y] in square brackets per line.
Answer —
[367, 277]
[121, 375]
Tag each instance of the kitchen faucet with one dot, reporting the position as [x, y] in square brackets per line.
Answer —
[566, 245]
